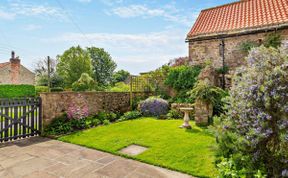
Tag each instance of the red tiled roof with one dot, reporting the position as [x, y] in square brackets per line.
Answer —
[245, 14]
[4, 64]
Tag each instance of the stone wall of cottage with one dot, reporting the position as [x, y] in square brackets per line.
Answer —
[20, 75]
[200, 51]
[55, 104]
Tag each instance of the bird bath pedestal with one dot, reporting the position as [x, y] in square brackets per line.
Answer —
[186, 118]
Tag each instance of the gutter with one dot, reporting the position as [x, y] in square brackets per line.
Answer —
[236, 34]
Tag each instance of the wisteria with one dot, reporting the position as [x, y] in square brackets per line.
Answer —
[258, 112]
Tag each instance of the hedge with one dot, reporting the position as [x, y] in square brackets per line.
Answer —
[41, 89]
[14, 91]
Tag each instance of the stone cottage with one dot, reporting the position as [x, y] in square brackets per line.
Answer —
[232, 24]
[13, 72]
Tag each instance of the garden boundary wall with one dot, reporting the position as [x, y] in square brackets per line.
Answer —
[55, 104]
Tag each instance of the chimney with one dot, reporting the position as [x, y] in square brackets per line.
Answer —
[15, 68]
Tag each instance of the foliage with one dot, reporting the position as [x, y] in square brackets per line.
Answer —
[207, 93]
[63, 125]
[255, 127]
[189, 151]
[246, 46]
[85, 83]
[175, 114]
[223, 70]
[120, 76]
[154, 107]
[72, 64]
[272, 40]
[110, 116]
[183, 77]
[41, 71]
[57, 89]
[41, 89]
[106, 122]
[14, 91]
[78, 111]
[58, 126]
[102, 64]
[130, 115]
[120, 87]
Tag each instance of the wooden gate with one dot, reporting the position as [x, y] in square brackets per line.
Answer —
[20, 118]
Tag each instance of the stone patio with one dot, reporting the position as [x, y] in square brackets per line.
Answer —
[42, 157]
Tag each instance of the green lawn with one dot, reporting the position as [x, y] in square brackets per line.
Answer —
[189, 151]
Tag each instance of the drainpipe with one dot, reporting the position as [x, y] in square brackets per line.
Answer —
[223, 62]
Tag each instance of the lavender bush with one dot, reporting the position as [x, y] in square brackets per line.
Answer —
[254, 134]
[154, 107]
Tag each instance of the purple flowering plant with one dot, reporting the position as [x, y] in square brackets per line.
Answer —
[154, 106]
[256, 122]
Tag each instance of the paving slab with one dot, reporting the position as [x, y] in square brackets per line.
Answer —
[133, 150]
[46, 158]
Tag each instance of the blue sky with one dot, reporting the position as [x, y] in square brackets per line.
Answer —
[140, 35]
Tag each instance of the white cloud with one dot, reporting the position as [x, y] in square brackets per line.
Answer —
[37, 10]
[6, 15]
[112, 2]
[16, 9]
[32, 27]
[168, 13]
[139, 52]
[85, 1]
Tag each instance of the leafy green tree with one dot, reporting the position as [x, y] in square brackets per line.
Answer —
[73, 63]
[120, 76]
[85, 83]
[102, 64]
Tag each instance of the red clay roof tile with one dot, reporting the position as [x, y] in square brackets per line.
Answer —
[245, 14]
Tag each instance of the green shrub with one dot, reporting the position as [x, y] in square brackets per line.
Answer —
[110, 116]
[183, 77]
[130, 115]
[175, 114]
[85, 83]
[120, 87]
[58, 126]
[92, 121]
[14, 91]
[57, 89]
[41, 89]
[106, 122]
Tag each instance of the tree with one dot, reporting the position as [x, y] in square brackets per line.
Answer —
[85, 83]
[120, 76]
[102, 64]
[73, 63]
[41, 71]
[254, 137]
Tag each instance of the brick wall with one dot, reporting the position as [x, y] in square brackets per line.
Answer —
[55, 104]
[200, 51]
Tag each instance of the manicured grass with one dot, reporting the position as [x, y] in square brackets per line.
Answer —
[189, 151]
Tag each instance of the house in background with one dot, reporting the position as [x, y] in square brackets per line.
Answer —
[13, 72]
[232, 24]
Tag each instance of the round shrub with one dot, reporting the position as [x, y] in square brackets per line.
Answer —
[154, 107]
